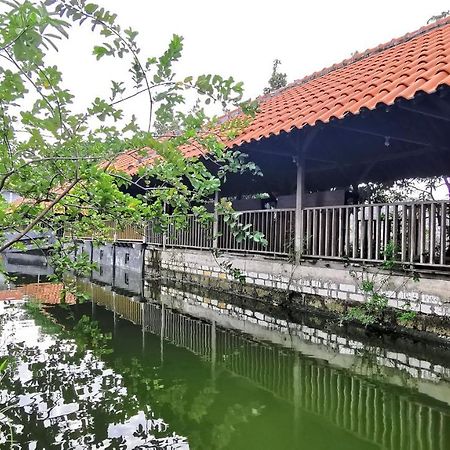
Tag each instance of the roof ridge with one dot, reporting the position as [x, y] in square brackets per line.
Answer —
[359, 56]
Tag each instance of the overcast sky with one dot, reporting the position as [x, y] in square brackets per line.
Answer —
[242, 38]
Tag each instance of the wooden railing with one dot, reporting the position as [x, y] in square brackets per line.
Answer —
[416, 233]
[193, 235]
[412, 232]
[129, 233]
[116, 232]
[277, 225]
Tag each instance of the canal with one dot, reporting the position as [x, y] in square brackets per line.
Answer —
[151, 366]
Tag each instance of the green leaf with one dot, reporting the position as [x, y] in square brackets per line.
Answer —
[90, 8]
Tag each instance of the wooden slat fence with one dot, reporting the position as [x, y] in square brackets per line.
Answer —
[416, 233]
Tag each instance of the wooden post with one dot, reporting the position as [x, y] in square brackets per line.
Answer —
[216, 221]
[300, 193]
[115, 232]
[143, 327]
[164, 235]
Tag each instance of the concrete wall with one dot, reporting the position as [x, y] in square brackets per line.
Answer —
[330, 288]
[129, 256]
[119, 265]
[103, 274]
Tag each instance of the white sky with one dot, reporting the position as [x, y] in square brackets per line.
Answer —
[242, 38]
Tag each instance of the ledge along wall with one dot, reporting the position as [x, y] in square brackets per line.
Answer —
[329, 288]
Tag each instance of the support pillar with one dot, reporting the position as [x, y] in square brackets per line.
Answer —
[164, 234]
[299, 201]
[216, 222]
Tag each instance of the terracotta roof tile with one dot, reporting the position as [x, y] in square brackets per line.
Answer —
[416, 62]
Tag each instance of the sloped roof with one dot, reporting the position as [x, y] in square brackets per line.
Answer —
[416, 62]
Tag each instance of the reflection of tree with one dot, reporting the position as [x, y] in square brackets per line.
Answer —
[70, 396]
[191, 406]
[62, 397]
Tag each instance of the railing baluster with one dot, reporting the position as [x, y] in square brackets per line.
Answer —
[413, 237]
[422, 233]
[370, 233]
[334, 231]
[378, 210]
[321, 234]
[404, 232]
[308, 232]
[347, 231]
[363, 235]
[386, 237]
[443, 233]
[327, 232]
[341, 231]
[315, 233]
[432, 231]
[355, 232]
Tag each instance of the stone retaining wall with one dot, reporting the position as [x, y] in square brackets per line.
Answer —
[331, 288]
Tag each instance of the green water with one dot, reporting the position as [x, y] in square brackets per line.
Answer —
[179, 370]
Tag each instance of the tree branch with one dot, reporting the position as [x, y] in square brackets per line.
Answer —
[38, 218]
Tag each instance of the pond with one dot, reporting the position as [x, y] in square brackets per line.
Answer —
[171, 367]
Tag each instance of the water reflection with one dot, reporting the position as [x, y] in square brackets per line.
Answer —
[61, 395]
[187, 369]
[360, 389]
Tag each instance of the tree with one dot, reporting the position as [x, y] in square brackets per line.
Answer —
[60, 160]
[424, 189]
[438, 16]
[277, 80]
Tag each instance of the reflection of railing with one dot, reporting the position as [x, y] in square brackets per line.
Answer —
[409, 232]
[389, 418]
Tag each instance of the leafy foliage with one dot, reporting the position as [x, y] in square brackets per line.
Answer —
[403, 190]
[372, 285]
[438, 16]
[61, 161]
[277, 80]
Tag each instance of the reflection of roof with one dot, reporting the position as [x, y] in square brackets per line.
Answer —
[416, 62]
[13, 294]
[48, 293]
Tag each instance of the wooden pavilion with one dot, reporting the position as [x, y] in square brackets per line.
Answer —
[381, 116]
